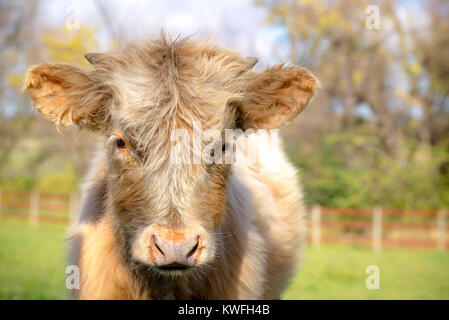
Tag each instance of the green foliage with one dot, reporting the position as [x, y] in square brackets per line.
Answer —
[350, 170]
[19, 183]
[51, 175]
[60, 181]
[373, 158]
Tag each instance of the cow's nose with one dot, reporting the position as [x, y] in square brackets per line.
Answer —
[175, 253]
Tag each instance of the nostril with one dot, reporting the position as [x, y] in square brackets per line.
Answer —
[195, 247]
[153, 239]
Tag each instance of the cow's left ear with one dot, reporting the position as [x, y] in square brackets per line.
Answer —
[68, 95]
[275, 96]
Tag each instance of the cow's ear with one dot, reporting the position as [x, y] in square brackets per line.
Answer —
[68, 95]
[275, 96]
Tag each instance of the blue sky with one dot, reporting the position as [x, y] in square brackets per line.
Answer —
[237, 24]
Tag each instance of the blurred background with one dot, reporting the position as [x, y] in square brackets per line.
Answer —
[372, 148]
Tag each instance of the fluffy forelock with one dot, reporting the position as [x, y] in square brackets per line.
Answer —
[164, 84]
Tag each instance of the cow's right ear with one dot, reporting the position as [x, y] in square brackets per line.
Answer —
[68, 95]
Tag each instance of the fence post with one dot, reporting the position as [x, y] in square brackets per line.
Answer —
[377, 228]
[441, 221]
[316, 226]
[34, 208]
[73, 207]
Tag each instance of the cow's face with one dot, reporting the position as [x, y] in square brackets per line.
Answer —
[164, 107]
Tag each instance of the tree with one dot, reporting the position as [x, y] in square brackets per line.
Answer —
[374, 83]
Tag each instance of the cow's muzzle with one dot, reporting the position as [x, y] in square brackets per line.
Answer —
[174, 251]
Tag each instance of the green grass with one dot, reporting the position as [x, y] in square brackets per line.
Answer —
[32, 262]
[338, 272]
[32, 267]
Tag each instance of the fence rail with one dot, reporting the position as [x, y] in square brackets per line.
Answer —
[38, 207]
[376, 227]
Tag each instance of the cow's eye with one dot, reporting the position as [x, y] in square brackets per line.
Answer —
[120, 143]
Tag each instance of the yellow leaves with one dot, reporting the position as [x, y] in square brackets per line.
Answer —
[330, 19]
[405, 96]
[317, 5]
[281, 11]
[357, 77]
[415, 68]
[398, 92]
[408, 98]
[15, 80]
[114, 44]
[64, 45]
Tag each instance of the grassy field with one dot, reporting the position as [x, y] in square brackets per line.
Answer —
[32, 267]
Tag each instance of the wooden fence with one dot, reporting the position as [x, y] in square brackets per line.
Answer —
[38, 207]
[376, 227]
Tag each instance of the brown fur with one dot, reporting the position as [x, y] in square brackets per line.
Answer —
[248, 216]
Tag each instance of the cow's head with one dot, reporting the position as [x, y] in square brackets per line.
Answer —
[169, 213]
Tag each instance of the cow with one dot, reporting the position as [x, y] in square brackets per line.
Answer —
[149, 227]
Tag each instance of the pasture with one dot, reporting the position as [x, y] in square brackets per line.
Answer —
[32, 267]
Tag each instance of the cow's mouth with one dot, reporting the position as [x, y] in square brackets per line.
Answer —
[173, 267]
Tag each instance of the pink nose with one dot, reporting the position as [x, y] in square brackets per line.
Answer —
[177, 251]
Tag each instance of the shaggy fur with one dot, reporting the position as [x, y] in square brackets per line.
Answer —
[248, 215]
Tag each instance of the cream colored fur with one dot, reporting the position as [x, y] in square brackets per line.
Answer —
[249, 214]
[264, 229]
